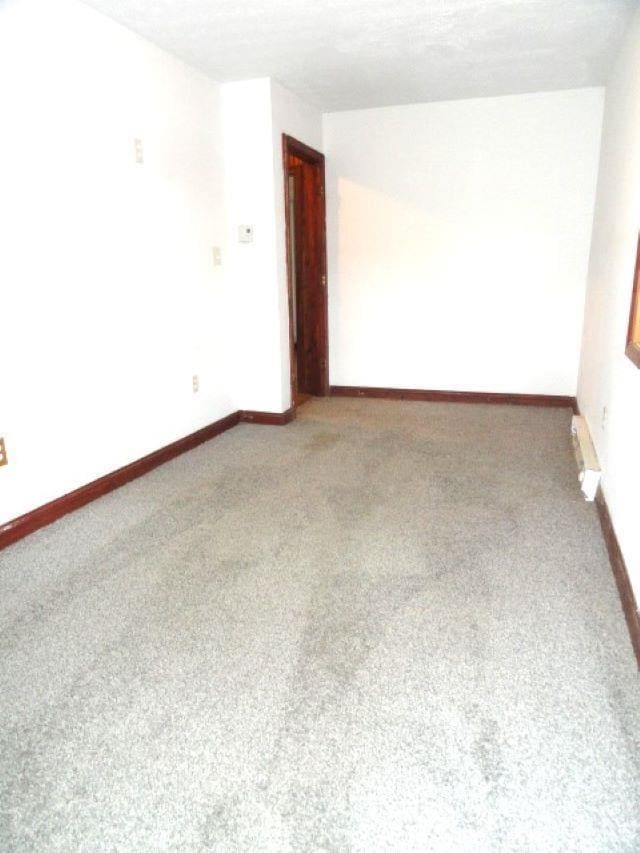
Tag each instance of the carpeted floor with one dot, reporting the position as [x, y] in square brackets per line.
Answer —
[386, 626]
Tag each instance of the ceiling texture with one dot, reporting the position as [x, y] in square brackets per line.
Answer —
[351, 54]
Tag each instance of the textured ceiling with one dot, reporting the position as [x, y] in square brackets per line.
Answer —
[348, 54]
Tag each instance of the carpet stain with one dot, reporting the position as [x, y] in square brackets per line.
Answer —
[323, 440]
[222, 822]
[488, 752]
[349, 614]
[317, 816]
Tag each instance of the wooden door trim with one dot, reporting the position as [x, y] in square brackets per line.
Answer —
[292, 146]
[633, 346]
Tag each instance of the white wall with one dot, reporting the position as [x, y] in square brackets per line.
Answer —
[255, 114]
[458, 240]
[108, 296]
[250, 268]
[607, 378]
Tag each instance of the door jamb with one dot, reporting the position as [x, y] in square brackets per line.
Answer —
[313, 157]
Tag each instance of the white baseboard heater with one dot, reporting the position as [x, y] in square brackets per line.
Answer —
[588, 466]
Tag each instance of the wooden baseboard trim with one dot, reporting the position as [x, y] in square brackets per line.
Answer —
[20, 527]
[268, 418]
[619, 569]
[454, 396]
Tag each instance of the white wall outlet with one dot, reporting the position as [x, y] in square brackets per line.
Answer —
[138, 151]
[245, 233]
[217, 256]
[195, 383]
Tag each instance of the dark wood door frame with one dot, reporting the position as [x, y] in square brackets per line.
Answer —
[318, 272]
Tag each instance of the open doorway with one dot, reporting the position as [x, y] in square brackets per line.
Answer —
[306, 269]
